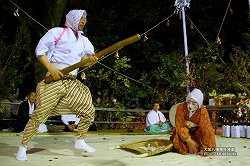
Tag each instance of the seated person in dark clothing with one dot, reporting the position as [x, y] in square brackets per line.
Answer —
[25, 109]
[70, 121]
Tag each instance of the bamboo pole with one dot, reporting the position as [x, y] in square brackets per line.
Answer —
[99, 54]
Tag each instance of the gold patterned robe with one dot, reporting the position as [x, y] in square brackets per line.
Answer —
[203, 134]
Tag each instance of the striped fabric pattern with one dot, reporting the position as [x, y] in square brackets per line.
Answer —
[61, 97]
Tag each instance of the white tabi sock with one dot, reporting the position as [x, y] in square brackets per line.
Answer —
[80, 144]
[21, 154]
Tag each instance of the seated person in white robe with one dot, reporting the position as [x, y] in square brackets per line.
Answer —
[70, 121]
[156, 121]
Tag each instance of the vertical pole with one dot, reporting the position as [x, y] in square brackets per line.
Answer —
[185, 46]
[180, 7]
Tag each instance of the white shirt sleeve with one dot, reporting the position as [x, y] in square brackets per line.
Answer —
[77, 121]
[88, 47]
[47, 41]
[152, 118]
[66, 118]
[163, 118]
[69, 50]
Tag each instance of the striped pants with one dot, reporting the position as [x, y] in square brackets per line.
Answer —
[61, 97]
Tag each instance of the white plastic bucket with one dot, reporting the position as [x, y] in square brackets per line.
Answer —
[235, 131]
[248, 131]
[243, 131]
[227, 131]
[223, 134]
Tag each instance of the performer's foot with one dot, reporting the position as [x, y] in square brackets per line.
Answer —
[80, 144]
[21, 154]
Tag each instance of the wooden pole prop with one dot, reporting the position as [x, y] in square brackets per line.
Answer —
[99, 54]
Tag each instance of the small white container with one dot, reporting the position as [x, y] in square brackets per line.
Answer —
[211, 102]
[227, 131]
[248, 131]
[243, 131]
[223, 131]
[235, 131]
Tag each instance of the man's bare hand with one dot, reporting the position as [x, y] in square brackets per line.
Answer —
[160, 123]
[93, 58]
[55, 73]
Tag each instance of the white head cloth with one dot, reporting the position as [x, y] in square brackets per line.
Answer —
[197, 95]
[73, 18]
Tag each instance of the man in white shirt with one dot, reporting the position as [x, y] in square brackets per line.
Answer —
[156, 121]
[57, 49]
[70, 121]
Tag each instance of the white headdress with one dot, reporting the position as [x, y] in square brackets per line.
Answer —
[73, 18]
[197, 95]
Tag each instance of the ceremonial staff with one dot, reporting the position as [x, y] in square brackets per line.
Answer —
[99, 54]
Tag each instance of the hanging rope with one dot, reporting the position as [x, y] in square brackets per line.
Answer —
[123, 74]
[104, 57]
[114, 70]
[8, 60]
[166, 19]
[16, 14]
[202, 36]
[80, 71]
[28, 15]
[198, 31]
[217, 37]
[128, 77]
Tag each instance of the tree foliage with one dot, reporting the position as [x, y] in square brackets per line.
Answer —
[157, 65]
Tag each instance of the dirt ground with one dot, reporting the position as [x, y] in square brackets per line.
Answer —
[51, 149]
